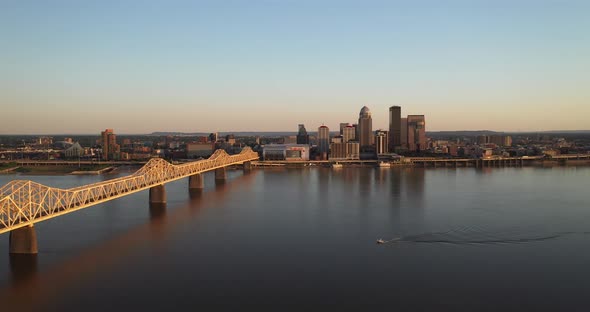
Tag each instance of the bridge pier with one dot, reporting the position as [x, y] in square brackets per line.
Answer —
[158, 194]
[247, 166]
[23, 240]
[195, 182]
[220, 175]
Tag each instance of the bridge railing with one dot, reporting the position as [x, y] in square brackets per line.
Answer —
[24, 202]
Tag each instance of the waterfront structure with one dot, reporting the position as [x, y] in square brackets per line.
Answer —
[294, 152]
[110, 148]
[365, 128]
[381, 142]
[337, 150]
[323, 141]
[416, 133]
[302, 136]
[353, 150]
[395, 127]
[24, 203]
[344, 151]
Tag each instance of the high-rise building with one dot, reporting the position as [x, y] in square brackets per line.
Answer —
[302, 136]
[342, 126]
[404, 133]
[337, 150]
[500, 140]
[365, 128]
[416, 133]
[348, 134]
[353, 150]
[483, 139]
[110, 148]
[323, 141]
[395, 127]
[381, 142]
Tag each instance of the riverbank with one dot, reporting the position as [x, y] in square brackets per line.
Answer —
[60, 170]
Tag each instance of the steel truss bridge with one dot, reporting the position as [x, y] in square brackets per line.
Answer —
[24, 203]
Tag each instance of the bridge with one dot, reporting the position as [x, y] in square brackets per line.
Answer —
[24, 203]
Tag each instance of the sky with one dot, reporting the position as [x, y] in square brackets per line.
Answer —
[201, 66]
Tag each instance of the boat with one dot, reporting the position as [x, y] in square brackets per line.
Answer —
[336, 165]
[380, 241]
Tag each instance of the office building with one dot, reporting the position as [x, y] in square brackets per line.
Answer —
[110, 148]
[348, 134]
[395, 127]
[323, 142]
[381, 142]
[365, 128]
[416, 133]
[342, 151]
[302, 136]
[342, 126]
[404, 133]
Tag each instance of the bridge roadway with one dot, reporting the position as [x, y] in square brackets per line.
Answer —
[24, 203]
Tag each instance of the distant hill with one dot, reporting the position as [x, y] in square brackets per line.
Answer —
[472, 133]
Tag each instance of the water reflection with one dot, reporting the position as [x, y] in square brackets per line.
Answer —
[22, 266]
[28, 283]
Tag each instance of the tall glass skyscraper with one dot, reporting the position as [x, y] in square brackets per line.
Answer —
[395, 127]
[302, 136]
[365, 128]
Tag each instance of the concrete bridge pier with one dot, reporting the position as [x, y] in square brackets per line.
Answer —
[220, 175]
[247, 166]
[23, 240]
[195, 182]
[158, 194]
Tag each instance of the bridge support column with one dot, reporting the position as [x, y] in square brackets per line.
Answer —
[195, 182]
[158, 194]
[23, 240]
[220, 175]
[247, 166]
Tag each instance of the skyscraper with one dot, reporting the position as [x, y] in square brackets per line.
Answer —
[110, 148]
[416, 133]
[342, 126]
[302, 136]
[395, 127]
[365, 128]
[348, 134]
[323, 141]
[404, 133]
[381, 142]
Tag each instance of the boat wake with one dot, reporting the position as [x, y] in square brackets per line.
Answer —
[476, 235]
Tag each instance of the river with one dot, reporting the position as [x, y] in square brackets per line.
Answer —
[491, 239]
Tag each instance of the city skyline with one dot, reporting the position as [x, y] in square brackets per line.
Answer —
[143, 67]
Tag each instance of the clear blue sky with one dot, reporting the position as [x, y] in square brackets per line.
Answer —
[143, 66]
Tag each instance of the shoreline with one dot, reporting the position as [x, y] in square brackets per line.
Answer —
[50, 170]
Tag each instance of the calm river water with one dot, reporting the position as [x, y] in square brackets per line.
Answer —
[467, 239]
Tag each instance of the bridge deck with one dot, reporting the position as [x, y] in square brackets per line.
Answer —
[24, 202]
